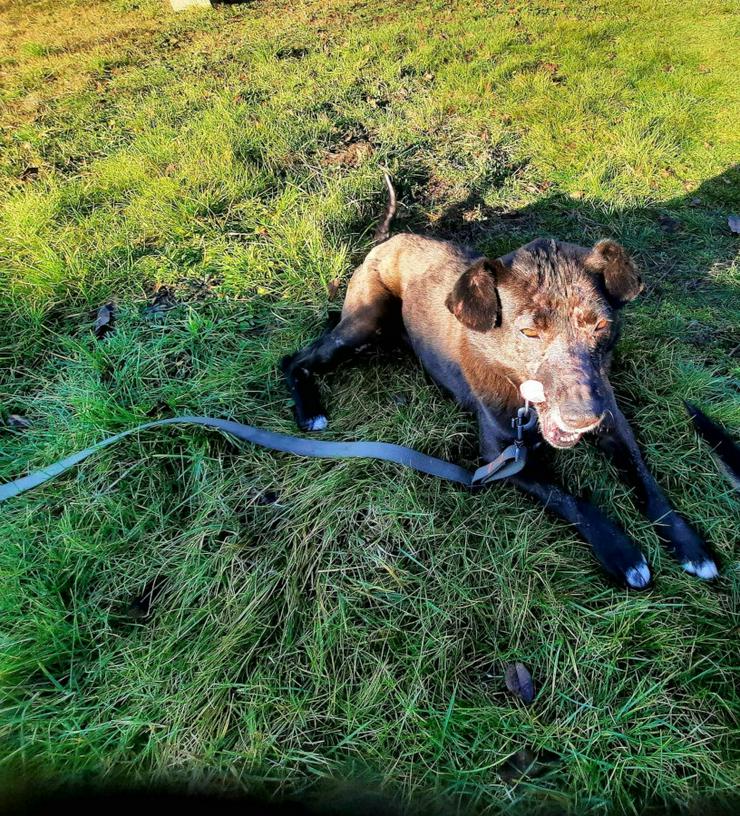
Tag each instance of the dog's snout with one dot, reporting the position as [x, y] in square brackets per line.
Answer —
[580, 415]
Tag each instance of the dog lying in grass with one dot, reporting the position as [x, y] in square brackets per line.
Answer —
[482, 327]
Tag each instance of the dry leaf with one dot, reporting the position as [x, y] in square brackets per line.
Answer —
[519, 681]
[263, 497]
[164, 300]
[140, 607]
[668, 224]
[734, 223]
[105, 321]
[29, 173]
[333, 287]
[18, 423]
[527, 763]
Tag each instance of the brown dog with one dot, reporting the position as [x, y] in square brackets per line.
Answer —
[481, 327]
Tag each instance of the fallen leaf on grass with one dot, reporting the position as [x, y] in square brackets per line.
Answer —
[333, 287]
[29, 173]
[519, 681]
[668, 224]
[268, 497]
[17, 422]
[527, 763]
[105, 321]
[553, 70]
[164, 300]
[140, 607]
[734, 223]
[263, 497]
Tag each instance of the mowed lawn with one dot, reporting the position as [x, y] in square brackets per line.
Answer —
[183, 607]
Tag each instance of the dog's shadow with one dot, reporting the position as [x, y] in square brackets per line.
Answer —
[683, 245]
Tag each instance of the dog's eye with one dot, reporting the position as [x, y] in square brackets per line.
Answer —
[602, 324]
[530, 332]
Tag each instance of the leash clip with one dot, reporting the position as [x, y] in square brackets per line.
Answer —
[513, 458]
[518, 422]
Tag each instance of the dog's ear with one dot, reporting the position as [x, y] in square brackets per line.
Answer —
[474, 301]
[621, 278]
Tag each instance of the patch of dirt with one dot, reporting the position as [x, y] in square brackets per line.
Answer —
[292, 53]
[351, 156]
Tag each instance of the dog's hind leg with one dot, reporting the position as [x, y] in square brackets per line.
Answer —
[368, 308]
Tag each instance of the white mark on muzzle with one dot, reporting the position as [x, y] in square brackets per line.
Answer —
[532, 390]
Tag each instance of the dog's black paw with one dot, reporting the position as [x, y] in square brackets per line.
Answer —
[638, 576]
[704, 568]
[308, 411]
[688, 548]
[616, 552]
[623, 560]
[314, 423]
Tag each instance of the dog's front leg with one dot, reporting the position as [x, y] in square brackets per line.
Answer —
[619, 556]
[618, 441]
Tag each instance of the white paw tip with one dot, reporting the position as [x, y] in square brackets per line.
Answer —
[702, 569]
[317, 423]
[639, 576]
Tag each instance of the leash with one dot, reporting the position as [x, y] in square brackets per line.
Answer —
[507, 463]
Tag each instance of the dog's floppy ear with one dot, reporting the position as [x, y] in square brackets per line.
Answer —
[474, 301]
[621, 279]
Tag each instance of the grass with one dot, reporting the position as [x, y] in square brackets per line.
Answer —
[341, 619]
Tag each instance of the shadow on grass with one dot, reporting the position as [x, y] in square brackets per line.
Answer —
[673, 239]
[677, 242]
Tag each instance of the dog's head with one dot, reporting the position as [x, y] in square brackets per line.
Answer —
[547, 313]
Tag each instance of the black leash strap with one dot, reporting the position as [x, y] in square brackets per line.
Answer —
[511, 461]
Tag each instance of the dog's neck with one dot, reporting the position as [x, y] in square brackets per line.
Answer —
[492, 383]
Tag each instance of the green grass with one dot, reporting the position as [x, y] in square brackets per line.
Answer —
[359, 624]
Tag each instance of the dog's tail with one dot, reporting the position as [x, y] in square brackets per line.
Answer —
[383, 232]
[725, 450]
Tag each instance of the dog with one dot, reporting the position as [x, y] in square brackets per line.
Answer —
[543, 316]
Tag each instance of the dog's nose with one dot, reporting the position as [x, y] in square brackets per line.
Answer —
[577, 415]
